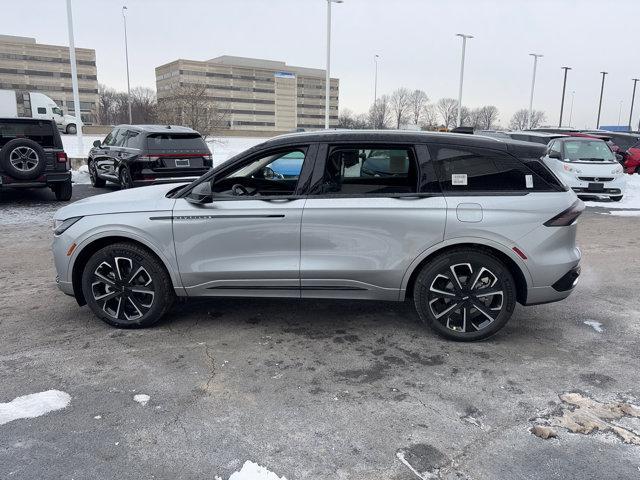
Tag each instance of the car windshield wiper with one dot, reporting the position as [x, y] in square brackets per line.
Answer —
[593, 159]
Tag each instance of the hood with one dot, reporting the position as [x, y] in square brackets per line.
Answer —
[143, 199]
[596, 169]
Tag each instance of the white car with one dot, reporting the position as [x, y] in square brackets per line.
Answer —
[587, 166]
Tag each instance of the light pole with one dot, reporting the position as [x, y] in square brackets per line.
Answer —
[328, 73]
[74, 73]
[533, 84]
[564, 87]
[375, 81]
[573, 94]
[464, 46]
[633, 99]
[600, 103]
[619, 113]
[126, 56]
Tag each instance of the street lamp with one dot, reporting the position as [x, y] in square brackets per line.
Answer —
[375, 81]
[328, 73]
[573, 94]
[633, 98]
[464, 45]
[600, 103]
[126, 55]
[533, 84]
[619, 113]
[564, 87]
[74, 72]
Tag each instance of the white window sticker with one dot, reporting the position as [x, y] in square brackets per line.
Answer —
[458, 179]
[528, 181]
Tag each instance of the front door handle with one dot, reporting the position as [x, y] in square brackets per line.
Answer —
[276, 200]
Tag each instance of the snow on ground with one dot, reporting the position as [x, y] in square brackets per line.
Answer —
[597, 326]
[81, 175]
[33, 405]
[253, 471]
[630, 200]
[142, 399]
[79, 149]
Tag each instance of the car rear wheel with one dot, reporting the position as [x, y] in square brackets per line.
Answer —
[125, 179]
[93, 175]
[126, 286]
[63, 190]
[465, 294]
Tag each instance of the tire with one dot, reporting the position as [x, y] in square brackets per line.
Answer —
[93, 175]
[63, 190]
[121, 300]
[71, 129]
[125, 179]
[23, 159]
[616, 199]
[479, 315]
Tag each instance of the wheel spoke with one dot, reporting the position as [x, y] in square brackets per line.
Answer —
[445, 311]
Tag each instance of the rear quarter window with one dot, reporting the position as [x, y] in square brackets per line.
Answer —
[40, 132]
[176, 142]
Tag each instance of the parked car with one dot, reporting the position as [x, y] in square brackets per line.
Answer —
[134, 155]
[464, 226]
[587, 165]
[623, 140]
[32, 156]
[632, 161]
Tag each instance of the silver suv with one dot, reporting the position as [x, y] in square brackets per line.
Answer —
[465, 226]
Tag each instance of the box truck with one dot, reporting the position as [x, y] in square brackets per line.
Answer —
[18, 103]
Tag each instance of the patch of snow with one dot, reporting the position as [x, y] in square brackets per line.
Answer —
[33, 405]
[142, 399]
[76, 149]
[630, 200]
[253, 471]
[81, 175]
[597, 326]
[223, 148]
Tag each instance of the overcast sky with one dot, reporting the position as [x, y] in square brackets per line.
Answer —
[415, 39]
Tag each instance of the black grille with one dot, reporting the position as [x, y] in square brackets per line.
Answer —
[596, 179]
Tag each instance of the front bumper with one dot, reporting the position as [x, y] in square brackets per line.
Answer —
[65, 287]
[608, 188]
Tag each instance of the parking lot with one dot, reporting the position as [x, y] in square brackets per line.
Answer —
[315, 389]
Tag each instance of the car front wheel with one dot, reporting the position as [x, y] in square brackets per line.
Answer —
[96, 181]
[126, 286]
[465, 294]
[126, 181]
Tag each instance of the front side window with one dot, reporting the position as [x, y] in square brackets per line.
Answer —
[273, 173]
[120, 137]
[587, 151]
[109, 139]
[57, 111]
[477, 170]
[369, 171]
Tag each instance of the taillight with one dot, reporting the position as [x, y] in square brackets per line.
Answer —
[148, 158]
[208, 160]
[567, 217]
[61, 157]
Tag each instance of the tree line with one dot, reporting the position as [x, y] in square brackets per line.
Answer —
[413, 108]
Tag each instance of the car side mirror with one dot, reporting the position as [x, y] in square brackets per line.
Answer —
[554, 154]
[619, 157]
[97, 143]
[201, 194]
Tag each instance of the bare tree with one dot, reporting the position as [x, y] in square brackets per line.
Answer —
[488, 117]
[465, 116]
[520, 119]
[447, 109]
[380, 113]
[348, 119]
[107, 105]
[190, 105]
[475, 118]
[143, 105]
[418, 102]
[429, 120]
[400, 103]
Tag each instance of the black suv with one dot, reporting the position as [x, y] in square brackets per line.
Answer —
[32, 156]
[134, 155]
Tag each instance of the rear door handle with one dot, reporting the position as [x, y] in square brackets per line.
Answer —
[408, 197]
[277, 200]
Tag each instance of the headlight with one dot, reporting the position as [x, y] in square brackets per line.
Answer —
[571, 169]
[616, 170]
[60, 226]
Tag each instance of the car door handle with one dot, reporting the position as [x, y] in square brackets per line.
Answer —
[408, 197]
[276, 200]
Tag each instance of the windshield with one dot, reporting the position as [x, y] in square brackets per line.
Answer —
[588, 151]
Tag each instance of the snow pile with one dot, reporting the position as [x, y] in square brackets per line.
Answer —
[81, 175]
[33, 405]
[631, 198]
[224, 148]
[253, 471]
[142, 399]
[76, 149]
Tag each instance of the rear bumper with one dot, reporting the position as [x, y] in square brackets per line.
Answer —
[151, 177]
[44, 180]
[560, 290]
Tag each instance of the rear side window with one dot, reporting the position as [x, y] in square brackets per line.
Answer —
[175, 142]
[40, 132]
[371, 171]
[467, 170]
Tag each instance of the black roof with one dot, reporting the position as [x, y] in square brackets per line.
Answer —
[158, 128]
[401, 136]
